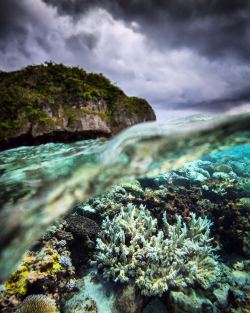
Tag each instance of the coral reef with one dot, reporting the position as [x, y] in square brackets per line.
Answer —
[131, 246]
[222, 194]
[47, 269]
[147, 252]
[223, 199]
[37, 304]
[33, 268]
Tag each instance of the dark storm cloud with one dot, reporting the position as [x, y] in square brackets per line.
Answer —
[177, 54]
[82, 42]
[17, 22]
[32, 32]
[221, 104]
[11, 22]
[215, 28]
[147, 8]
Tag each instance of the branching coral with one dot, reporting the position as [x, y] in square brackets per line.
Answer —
[132, 247]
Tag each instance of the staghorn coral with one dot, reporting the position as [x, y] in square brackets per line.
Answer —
[37, 304]
[132, 247]
[218, 199]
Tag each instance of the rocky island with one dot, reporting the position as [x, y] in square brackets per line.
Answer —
[53, 102]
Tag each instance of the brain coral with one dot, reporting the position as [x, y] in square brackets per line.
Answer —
[131, 247]
[37, 304]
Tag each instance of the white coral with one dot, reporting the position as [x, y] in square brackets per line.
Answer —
[132, 247]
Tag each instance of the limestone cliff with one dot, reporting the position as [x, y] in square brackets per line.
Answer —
[52, 102]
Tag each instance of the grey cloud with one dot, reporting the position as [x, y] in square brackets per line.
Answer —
[190, 54]
[221, 105]
[147, 8]
[82, 42]
[215, 28]
[12, 23]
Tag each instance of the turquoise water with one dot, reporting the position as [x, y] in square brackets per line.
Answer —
[26, 169]
[199, 164]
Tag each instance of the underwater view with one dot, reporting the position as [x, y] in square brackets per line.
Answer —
[154, 220]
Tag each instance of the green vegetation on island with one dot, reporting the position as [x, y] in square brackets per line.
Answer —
[49, 98]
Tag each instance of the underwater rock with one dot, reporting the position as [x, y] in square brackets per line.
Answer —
[81, 226]
[84, 231]
[155, 306]
[129, 300]
[180, 180]
[180, 302]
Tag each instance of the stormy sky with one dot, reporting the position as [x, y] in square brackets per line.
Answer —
[181, 55]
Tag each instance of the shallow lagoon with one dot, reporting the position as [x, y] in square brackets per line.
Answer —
[197, 165]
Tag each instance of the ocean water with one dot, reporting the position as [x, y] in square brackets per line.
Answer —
[199, 164]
